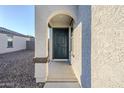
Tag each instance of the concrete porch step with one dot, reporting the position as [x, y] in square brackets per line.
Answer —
[62, 85]
[61, 77]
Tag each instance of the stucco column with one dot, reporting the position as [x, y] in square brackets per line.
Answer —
[41, 46]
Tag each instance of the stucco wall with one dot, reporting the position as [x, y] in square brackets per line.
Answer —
[19, 43]
[107, 46]
[82, 46]
[82, 32]
[43, 14]
[84, 15]
[76, 58]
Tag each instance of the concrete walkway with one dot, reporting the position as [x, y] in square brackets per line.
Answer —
[61, 75]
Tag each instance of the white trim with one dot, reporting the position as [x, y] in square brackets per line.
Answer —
[51, 46]
[60, 59]
[69, 44]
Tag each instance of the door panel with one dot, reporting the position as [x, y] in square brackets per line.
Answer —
[60, 43]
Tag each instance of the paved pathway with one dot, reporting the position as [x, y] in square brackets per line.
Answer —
[61, 75]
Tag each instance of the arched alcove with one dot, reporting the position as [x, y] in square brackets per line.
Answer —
[59, 13]
[60, 22]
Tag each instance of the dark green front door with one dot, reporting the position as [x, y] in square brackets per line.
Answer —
[60, 43]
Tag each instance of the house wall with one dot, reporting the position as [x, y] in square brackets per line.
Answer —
[76, 54]
[82, 31]
[19, 43]
[107, 48]
[81, 63]
[101, 64]
[43, 14]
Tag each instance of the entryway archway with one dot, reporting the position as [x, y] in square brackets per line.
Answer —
[59, 68]
[60, 37]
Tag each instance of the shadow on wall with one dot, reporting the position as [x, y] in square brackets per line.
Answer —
[85, 13]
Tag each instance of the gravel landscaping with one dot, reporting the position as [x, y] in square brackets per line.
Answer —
[17, 70]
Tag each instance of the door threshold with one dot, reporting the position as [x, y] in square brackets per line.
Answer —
[60, 59]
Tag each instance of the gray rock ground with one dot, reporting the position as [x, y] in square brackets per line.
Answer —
[17, 70]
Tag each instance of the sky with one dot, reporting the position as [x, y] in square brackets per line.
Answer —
[19, 18]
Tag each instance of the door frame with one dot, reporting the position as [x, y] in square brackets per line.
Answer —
[51, 46]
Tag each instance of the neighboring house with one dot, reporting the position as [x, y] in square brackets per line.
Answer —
[11, 41]
[91, 41]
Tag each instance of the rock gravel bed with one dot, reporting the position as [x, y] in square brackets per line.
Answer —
[17, 70]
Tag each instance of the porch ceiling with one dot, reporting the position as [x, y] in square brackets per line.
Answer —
[60, 20]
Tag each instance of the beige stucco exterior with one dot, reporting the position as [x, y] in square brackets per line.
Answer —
[43, 16]
[77, 52]
[107, 55]
[98, 36]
